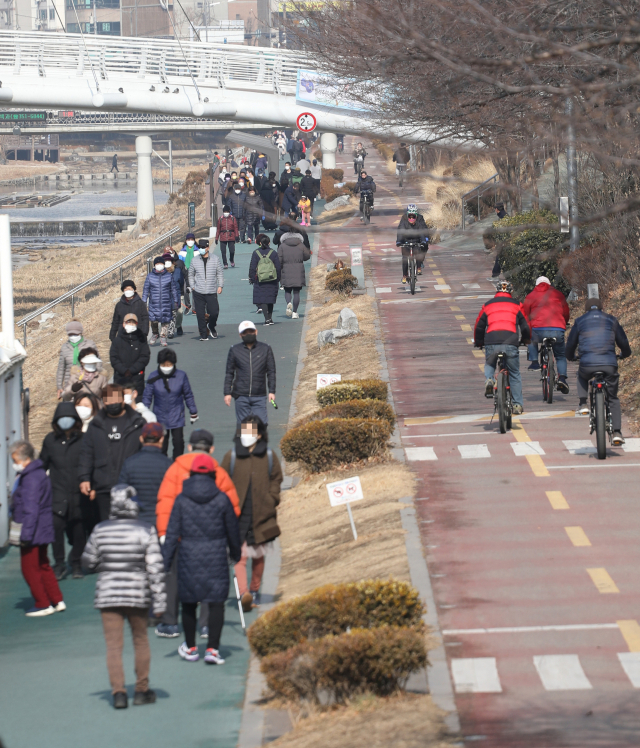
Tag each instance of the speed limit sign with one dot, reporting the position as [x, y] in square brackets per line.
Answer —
[306, 122]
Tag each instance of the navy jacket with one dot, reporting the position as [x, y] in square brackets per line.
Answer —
[32, 505]
[204, 523]
[597, 334]
[250, 370]
[168, 404]
[145, 471]
[161, 289]
[237, 204]
[291, 198]
[267, 292]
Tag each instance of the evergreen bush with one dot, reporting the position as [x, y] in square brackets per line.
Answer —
[368, 408]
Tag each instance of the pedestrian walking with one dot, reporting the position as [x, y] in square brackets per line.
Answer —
[236, 200]
[206, 280]
[200, 442]
[250, 375]
[289, 225]
[130, 303]
[124, 550]
[316, 174]
[70, 353]
[114, 164]
[264, 276]
[169, 389]
[270, 195]
[86, 377]
[205, 526]
[32, 503]
[292, 255]
[257, 475]
[254, 210]
[171, 267]
[186, 255]
[227, 234]
[112, 436]
[285, 177]
[161, 291]
[60, 455]
[130, 354]
[309, 188]
[87, 405]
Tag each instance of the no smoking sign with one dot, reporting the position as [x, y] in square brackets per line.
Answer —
[306, 122]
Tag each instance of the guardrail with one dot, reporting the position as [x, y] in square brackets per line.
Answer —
[103, 274]
[492, 181]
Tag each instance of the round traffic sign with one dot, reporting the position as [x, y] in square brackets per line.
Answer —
[351, 488]
[306, 122]
[337, 492]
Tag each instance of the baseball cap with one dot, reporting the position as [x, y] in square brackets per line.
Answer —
[201, 438]
[74, 327]
[246, 325]
[130, 316]
[153, 432]
[543, 279]
[202, 464]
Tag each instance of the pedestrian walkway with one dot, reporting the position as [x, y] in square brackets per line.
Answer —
[54, 689]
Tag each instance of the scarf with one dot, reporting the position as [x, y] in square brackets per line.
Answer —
[76, 350]
[189, 255]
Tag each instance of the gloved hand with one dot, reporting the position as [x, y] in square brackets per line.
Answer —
[193, 419]
[161, 539]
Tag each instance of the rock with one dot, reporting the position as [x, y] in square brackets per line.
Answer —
[347, 320]
[338, 202]
[329, 337]
[106, 212]
[331, 266]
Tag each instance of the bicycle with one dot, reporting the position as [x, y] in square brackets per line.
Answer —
[600, 413]
[359, 164]
[400, 170]
[367, 201]
[548, 373]
[412, 266]
[502, 400]
[340, 146]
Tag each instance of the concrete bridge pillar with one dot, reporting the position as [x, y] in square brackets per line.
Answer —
[146, 204]
[328, 146]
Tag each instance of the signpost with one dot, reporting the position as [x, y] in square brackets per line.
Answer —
[192, 215]
[564, 215]
[324, 380]
[344, 492]
[306, 122]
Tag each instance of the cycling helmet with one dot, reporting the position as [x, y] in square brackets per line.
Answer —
[504, 286]
[412, 209]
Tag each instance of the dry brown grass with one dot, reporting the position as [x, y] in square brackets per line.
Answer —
[403, 721]
[27, 169]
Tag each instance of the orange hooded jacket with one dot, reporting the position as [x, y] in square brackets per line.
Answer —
[171, 486]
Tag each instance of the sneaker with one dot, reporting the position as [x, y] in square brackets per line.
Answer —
[204, 339]
[583, 408]
[233, 264]
[257, 311]
[257, 599]
[295, 315]
[488, 387]
[618, 439]
[60, 607]
[168, 630]
[163, 342]
[213, 334]
[289, 311]
[404, 278]
[188, 654]
[153, 340]
[517, 410]
[269, 322]
[77, 572]
[187, 310]
[120, 700]
[419, 271]
[204, 632]
[226, 267]
[61, 571]
[212, 656]
[179, 332]
[563, 385]
[247, 602]
[534, 366]
[171, 336]
[144, 697]
[38, 612]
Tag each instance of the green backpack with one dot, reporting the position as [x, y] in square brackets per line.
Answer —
[266, 270]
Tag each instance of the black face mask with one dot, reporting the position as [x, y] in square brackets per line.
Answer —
[114, 409]
[250, 337]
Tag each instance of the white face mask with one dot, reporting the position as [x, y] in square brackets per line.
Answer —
[75, 338]
[202, 250]
[90, 367]
[129, 292]
[159, 268]
[190, 243]
[237, 192]
[226, 215]
[128, 399]
[130, 328]
[248, 440]
[17, 468]
[168, 263]
[166, 370]
[84, 412]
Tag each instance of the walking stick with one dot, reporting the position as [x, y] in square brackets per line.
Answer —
[235, 582]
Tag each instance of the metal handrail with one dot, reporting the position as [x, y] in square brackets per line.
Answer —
[70, 294]
[494, 179]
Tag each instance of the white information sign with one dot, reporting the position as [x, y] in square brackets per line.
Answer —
[344, 491]
[356, 256]
[324, 380]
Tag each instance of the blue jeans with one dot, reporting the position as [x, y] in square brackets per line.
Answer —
[251, 406]
[513, 365]
[537, 334]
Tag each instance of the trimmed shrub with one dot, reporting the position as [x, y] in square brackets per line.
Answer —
[335, 174]
[377, 661]
[352, 389]
[368, 408]
[318, 155]
[341, 281]
[332, 609]
[334, 441]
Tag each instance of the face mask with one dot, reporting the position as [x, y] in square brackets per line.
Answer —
[168, 263]
[129, 293]
[226, 215]
[128, 399]
[66, 422]
[247, 440]
[17, 468]
[190, 243]
[237, 192]
[159, 268]
[166, 370]
[90, 367]
[75, 338]
[114, 409]
[288, 168]
[84, 412]
[203, 250]
[252, 194]
[130, 328]
[250, 337]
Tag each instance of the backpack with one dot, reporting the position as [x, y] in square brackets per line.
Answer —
[232, 466]
[295, 179]
[266, 270]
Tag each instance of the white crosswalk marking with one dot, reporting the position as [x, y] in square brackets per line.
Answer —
[388, 250]
[471, 285]
[420, 453]
[561, 673]
[473, 451]
[579, 446]
[476, 675]
[630, 662]
[340, 254]
[522, 449]
[442, 287]
[632, 445]
[383, 290]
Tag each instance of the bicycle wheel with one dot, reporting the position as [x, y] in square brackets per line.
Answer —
[545, 382]
[502, 406]
[601, 426]
[400, 179]
[365, 212]
[412, 275]
[551, 376]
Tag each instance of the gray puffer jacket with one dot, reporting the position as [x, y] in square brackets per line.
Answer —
[206, 276]
[126, 554]
[65, 362]
[292, 254]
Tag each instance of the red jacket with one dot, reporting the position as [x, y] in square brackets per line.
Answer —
[546, 307]
[227, 230]
[499, 320]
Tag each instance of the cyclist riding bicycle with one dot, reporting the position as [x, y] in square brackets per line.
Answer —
[358, 152]
[412, 228]
[401, 158]
[597, 334]
[547, 310]
[499, 327]
[365, 185]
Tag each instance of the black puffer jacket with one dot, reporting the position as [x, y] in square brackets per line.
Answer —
[60, 456]
[130, 353]
[308, 187]
[250, 371]
[134, 305]
[365, 185]
[237, 204]
[253, 209]
[418, 232]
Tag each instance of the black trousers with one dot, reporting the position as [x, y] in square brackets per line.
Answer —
[206, 303]
[178, 441]
[223, 251]
[293, 295]
[74, 531]
[585, 374]
[267, 310]
[215, 622]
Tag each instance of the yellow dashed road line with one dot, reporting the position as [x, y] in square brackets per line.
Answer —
[631, 632]
[577, 536]
[602, 580]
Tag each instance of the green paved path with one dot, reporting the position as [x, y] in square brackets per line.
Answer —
[54, 689]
